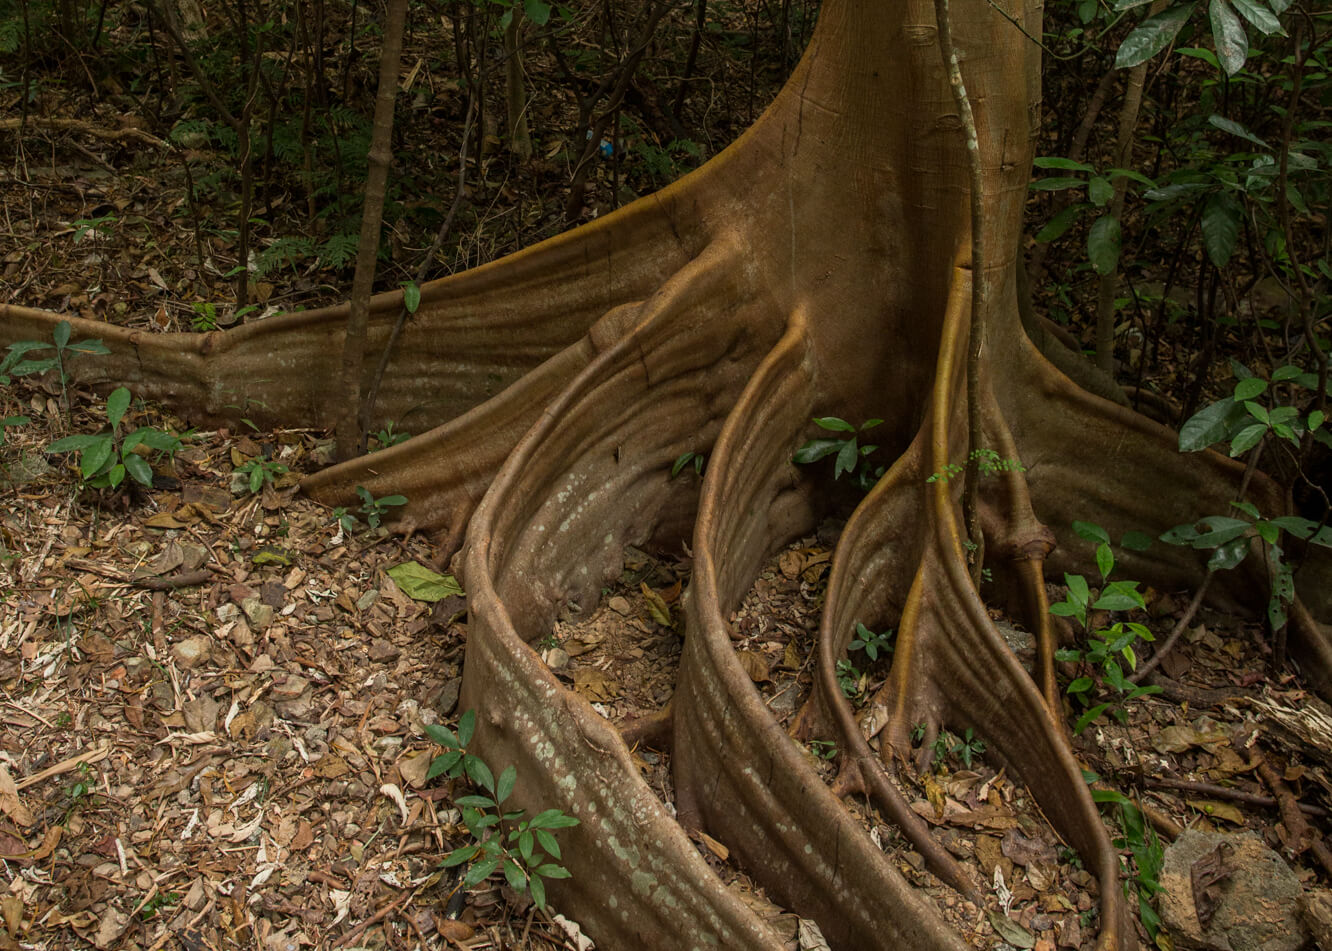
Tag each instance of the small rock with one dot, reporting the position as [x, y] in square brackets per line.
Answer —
[1316, 904]
[290, 687]
[448, 696]
[619, 605]
[1253, 896]
[382, 650]
[1070, 932]
[259, 613]
[110, 928]
[192, 651]
[557, 658]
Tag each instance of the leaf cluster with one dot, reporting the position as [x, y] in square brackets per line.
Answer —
[106, 458]
[851, 456]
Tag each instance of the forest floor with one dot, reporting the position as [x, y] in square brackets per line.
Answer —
[213, 701]
[215, 704]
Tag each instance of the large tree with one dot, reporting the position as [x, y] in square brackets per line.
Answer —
[819, 266]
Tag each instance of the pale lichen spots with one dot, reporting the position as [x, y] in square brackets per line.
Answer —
[642, 883]
[569, 783]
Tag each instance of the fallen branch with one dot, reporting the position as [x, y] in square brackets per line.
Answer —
[85, 128]
[95, 755]
[1225, 792]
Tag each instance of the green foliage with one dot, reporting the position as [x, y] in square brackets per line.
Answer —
[988, 462]
[1243, 419]
[18, 363]
[871, 643]
[98, 227]
[1109, 649]
[692, 460]
[850, 679]
[161, 900]
[502, 840]
[967, 747]
[388, 436]
[258, 471]
[106, 458]
[851, 457]
[373, 509]
[1142, 881]
[823, 749]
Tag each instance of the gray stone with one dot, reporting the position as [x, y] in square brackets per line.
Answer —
[1252, 902]
[192, 651]
[1317, 907]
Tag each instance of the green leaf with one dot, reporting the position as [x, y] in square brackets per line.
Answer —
[1136, 541]
[1100, 191]
[76, 442]
[816, 449]
[548, 843]
[514, 875]
[553, 871]
[481, 871]
[1066, 164]
[1103, 244]
[421, 584]
[1229, 554]
[1081, 685]
[1235, 128]
[88, 346]
[138, 469]
[1247, 438]
[116, 404]
[1221, 218]
[1056, 184]
[538, 11]
[95, 456]
[1091, 532]
[1120, 596]
[1248, 389]
[1151, 36]
[1078, 592]
[1088, 716]
[1105, 560]
[506, 781]
[61, 334]
[1258, 412]
[459, 856]
[847, 457]
[411, 296]
[480, 773]
[1061, 222]
[1210, 425]
[1315, 419]
[1207, 56]
[1260, 16]
[1232, 43]
[538, 889]
[834, 424]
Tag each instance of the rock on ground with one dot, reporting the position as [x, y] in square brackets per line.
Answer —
[1225, 892]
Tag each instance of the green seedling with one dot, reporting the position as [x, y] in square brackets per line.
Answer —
[851, 456]
[106, 458]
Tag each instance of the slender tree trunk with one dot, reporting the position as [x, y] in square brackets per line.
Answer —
[351, 425]
[515, 90]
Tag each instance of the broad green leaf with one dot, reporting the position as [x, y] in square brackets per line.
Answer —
[479, 773]
[1221, 220]
[1120, 596]
[77, 442]
[1279, 6]
[61, 334]
[816, 449]
[1232, 43]
[506, 781]
[1100, 191]
[1247, 438]
[1217, 530]
[514, 875]
[411, 296]
[1081, 685]
[538, 11]
[1248, 389]
[1248, 508]
[1173, 192]
[421, 584]
[1235, 128]
[538, 890]
[1228, 555]
[139, 470]
[1136, 541]
[442, 735]
[1259, 15]
[548, 843]
[1207, 56]
[847, 457]
[1091, 714]
[1103, 244]
[1315, 419]
[481, 871]
[116, 404]
[116, 475]
[1258, 412]
[1130, 174]
[1105, 560]
[1286, 372]
[1066, 164]
[95, 456]
[156, 439]
[88, 346]
[1077, 588]
[834, 423]
[1151, 36]
[1091, 532]
[1061, 222]
[1210, 425]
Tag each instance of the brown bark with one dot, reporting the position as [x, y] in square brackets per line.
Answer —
[351, 423]
[816, 267]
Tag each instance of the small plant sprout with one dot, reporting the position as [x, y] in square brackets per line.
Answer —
[850, 679]
[17, 362]
[257, 471]
[988, 461]
[389, 437]
[871, 643]
[851, 457]
[374, 509]
[967, 747]
[823, 749]
[688, 460]
[106, 458]
[502, 841]
[1106, 648]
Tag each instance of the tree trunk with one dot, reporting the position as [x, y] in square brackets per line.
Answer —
[351, 425]
[819, 266]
